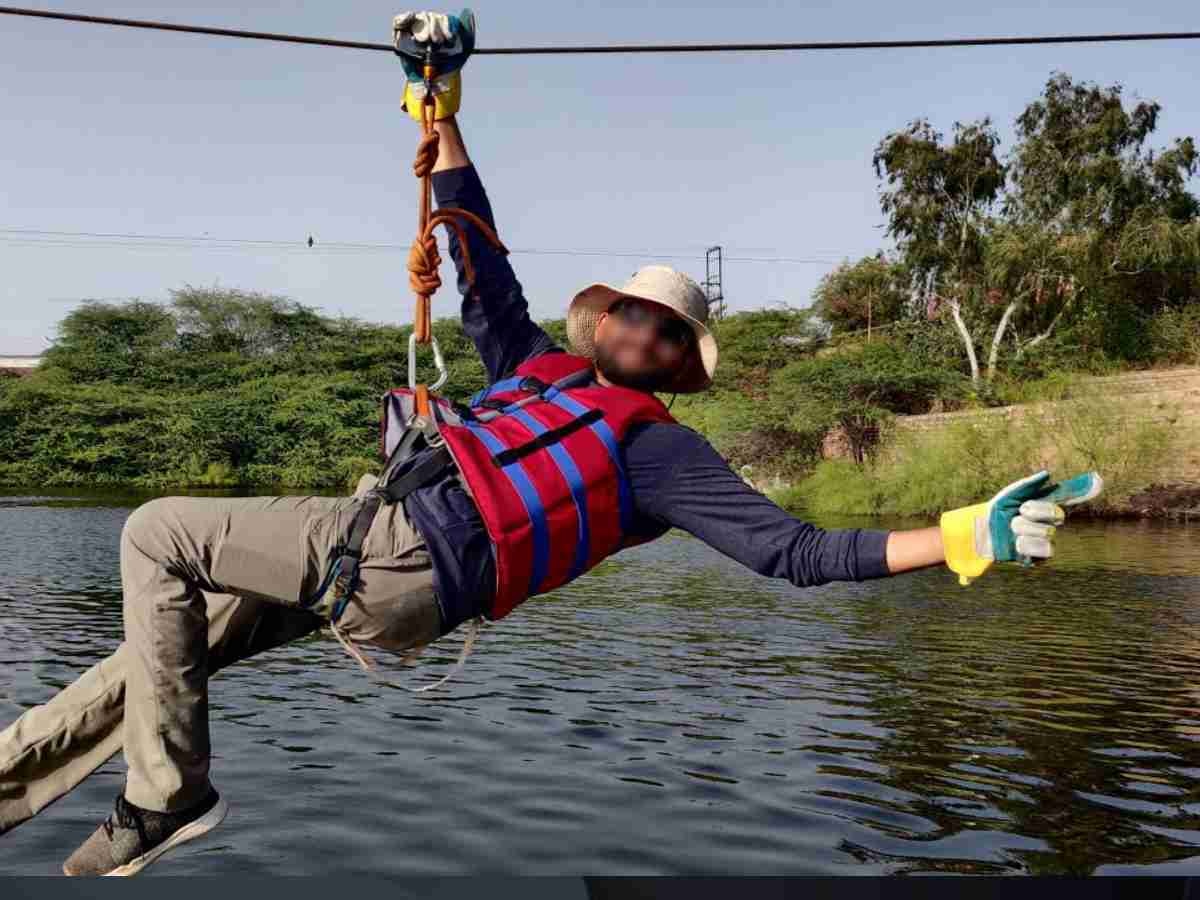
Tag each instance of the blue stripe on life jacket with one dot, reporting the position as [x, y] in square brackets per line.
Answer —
[605, 433]
[507, 384]
[571, 473]
[533, 506]
[517, 383]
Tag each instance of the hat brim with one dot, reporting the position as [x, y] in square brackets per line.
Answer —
[594, 300]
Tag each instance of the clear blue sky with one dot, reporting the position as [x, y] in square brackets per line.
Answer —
[114, 130]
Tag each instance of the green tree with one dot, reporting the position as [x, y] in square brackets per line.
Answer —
[1081, 161]
[110, 341]
[224, 320]
[1096, 233]
[222, 387]
[1084, 171]
[938, 201]
[864, 295]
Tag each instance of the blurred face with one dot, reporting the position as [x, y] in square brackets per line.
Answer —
[642, 345]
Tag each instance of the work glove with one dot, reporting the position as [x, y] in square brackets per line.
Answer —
[1015, 525]
[452, 39]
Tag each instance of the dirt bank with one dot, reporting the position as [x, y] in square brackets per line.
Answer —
[1165, 501]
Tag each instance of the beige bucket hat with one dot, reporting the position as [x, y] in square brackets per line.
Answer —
[657, 284]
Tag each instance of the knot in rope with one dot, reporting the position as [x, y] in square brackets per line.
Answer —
[423, 262]
[427, 154]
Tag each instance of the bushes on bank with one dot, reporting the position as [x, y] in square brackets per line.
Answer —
[126, 397]
[923, 472]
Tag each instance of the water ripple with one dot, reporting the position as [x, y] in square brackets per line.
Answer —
[699, 721]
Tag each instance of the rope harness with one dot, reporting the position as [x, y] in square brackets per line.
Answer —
[423, 263]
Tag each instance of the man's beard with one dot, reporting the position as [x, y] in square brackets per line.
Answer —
[648, 381]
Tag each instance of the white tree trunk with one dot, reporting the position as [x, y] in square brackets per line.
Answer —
[966, 339]
[997, 337]
[1033, 342]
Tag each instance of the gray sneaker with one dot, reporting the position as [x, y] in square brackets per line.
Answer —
[131, 837]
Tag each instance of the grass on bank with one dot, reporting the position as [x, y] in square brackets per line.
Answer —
[923, 472]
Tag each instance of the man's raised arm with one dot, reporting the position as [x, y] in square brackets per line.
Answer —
[496, 314]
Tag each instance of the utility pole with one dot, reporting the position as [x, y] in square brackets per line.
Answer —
[713, 289]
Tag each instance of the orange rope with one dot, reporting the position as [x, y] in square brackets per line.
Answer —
[423, 257]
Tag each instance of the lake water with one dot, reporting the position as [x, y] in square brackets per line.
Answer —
[673, 713]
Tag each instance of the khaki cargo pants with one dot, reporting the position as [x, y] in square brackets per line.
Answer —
[208, 582]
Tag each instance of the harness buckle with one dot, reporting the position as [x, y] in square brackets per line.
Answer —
[534, 385]
[430, 431]
[344, 583]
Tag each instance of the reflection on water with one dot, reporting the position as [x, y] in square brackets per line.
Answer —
[674, 713]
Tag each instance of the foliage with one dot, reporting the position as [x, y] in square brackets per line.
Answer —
[740, 414]
[858, 391]
[216, 320]
[863, 295]
[938, 202]
[755, 344]
[834, 487]
[924, 472]
[1174, 336]
[1081, 161]
[216, 388]
[224, 388]
[1084, 228]
[111, 340]
[938, 195]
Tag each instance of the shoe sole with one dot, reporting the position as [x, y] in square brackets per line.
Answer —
[188, 832]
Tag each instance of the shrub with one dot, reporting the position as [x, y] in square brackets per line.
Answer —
[1175, 336]
[836, 486]
[925, 472]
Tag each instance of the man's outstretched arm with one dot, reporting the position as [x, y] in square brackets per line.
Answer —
[496, 317]
[680, 480]
[914, 549]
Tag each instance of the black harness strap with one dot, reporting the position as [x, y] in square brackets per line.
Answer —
[343, 575]
[422, 473]
[406, 446]
[546, 438]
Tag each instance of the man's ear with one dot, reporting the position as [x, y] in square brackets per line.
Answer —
[599, 325]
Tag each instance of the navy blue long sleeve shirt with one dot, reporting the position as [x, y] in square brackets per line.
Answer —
[676, 477]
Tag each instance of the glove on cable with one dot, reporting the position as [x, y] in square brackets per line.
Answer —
[452, 39]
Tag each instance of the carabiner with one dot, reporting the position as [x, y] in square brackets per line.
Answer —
[438, 362]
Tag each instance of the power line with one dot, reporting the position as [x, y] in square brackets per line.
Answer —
[35, 232]
[617, 48]
[297, 248]
[32, 237]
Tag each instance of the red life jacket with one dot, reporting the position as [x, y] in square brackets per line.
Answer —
[544, 466]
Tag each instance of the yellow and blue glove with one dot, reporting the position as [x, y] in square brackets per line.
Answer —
[1015, 525]
[451, 39]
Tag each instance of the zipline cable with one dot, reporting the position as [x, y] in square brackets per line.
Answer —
[616, 48]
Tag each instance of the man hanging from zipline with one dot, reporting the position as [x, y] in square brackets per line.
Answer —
[567, 457]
